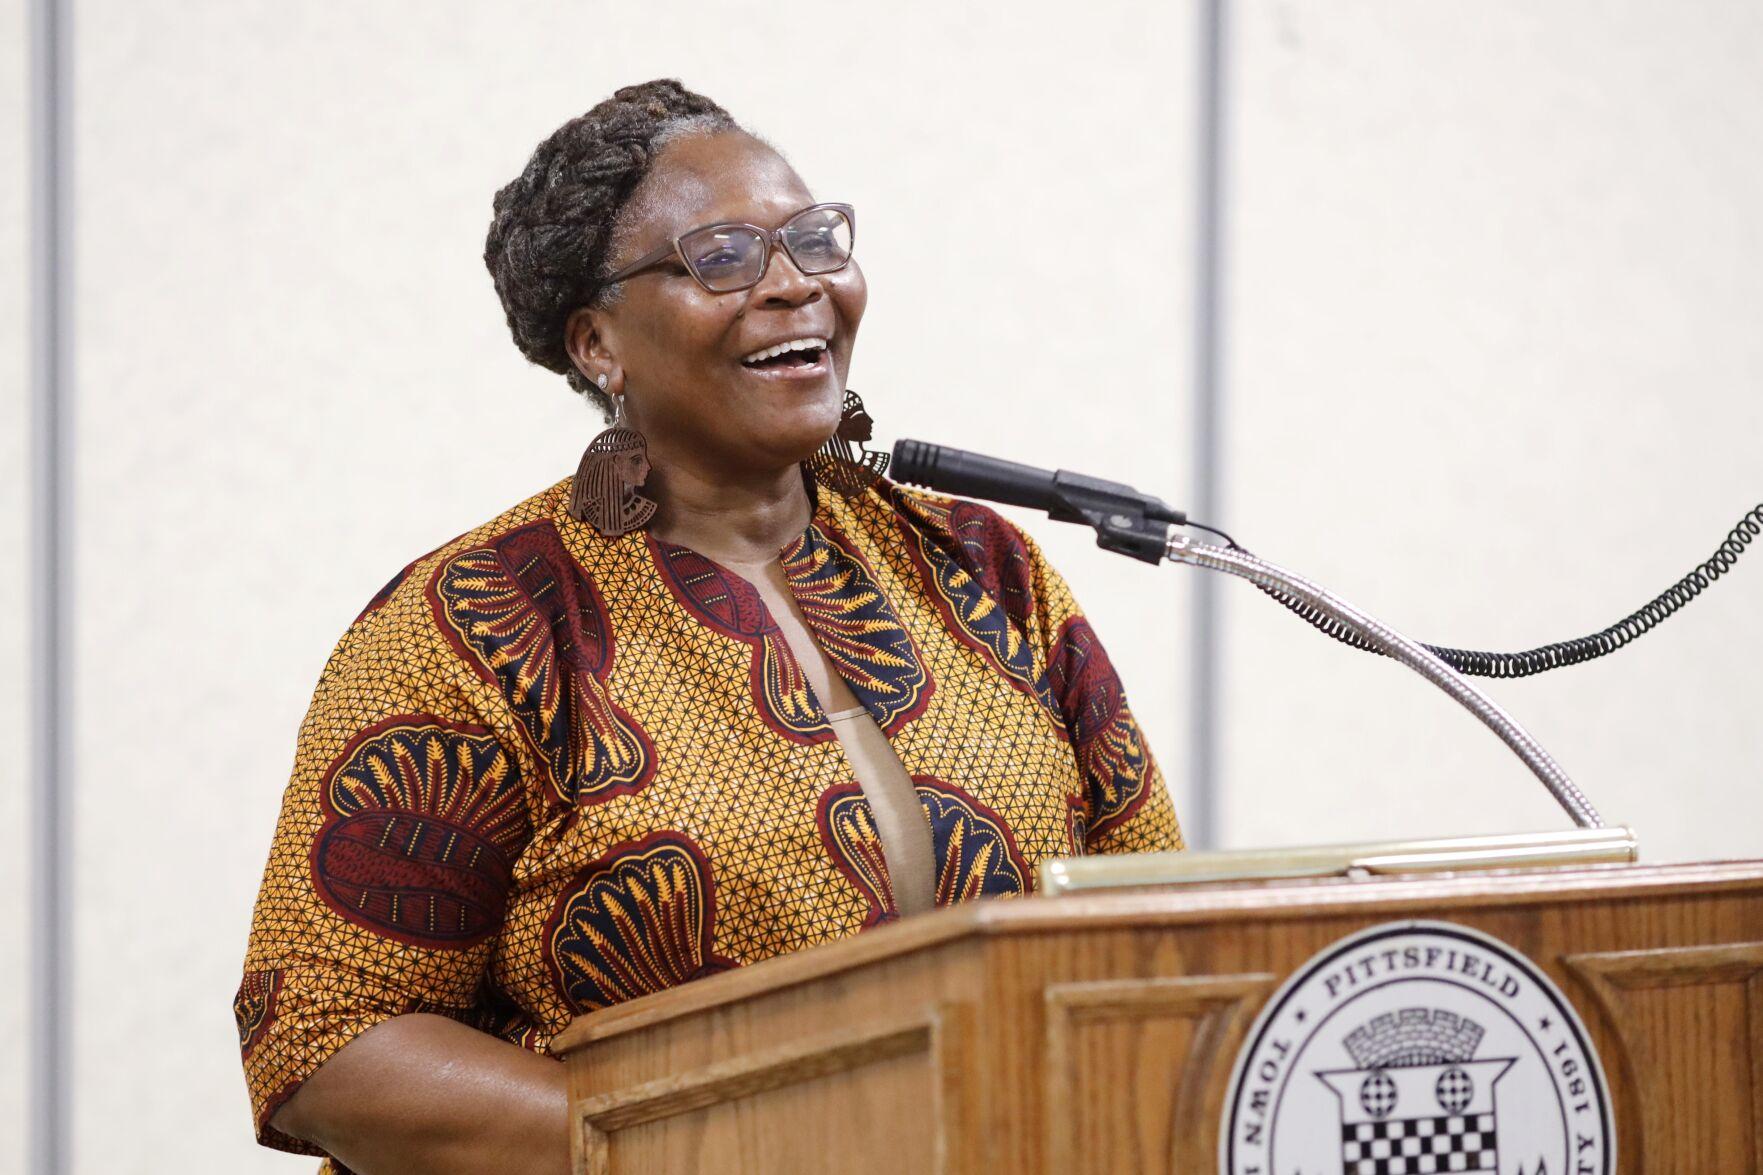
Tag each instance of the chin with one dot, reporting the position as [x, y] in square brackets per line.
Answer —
[812, 412]
[788, 420]
[797, 432]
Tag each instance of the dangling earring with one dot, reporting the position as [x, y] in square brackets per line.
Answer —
[614, 467]
[843, 463]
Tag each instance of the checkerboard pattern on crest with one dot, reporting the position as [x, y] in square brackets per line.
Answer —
[1419, 1146]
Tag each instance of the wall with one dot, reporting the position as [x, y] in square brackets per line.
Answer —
[14, 579]
[1493, 372]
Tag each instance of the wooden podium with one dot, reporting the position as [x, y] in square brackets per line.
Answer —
[1097, 1032]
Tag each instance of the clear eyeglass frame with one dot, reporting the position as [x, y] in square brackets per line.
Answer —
[783, 237]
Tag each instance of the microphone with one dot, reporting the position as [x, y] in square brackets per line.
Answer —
[1125, 520]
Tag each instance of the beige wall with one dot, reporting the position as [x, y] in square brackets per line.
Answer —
[14, 584]
[1489, 371]
[1494, 374]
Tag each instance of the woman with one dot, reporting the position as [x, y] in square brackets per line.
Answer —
[722, 695]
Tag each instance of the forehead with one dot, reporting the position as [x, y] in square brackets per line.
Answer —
[704, 178]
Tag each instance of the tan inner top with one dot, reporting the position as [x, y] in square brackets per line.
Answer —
[899, 820]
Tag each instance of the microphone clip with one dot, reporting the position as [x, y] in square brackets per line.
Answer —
[1125, 520]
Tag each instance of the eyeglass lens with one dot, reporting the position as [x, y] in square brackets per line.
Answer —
[731, 257]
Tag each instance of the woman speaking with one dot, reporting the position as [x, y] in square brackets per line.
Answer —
[723, 694]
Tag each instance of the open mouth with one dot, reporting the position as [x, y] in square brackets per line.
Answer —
[788, 359]
[798, 357]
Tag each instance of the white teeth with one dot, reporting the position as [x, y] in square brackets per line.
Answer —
[810, 343]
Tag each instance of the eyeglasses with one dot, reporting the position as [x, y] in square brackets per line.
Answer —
[735, 256]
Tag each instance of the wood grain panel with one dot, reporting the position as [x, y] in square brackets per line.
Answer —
[712, 1119]
[1136, 1069]
[1688, 1022]
[1046, 1036]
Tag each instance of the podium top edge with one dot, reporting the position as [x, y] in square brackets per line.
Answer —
[1393, 896]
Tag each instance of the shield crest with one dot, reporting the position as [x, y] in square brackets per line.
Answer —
[1417, 1102]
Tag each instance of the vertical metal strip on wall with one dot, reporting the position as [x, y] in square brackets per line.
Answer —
[1201, 821]
[47, 1013]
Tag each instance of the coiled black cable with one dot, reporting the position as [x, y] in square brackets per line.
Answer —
[1477, 663]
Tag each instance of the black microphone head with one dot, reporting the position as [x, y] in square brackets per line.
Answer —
[915, 461]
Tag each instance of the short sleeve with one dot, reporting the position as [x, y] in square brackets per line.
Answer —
[1127, 803]
[392, 858]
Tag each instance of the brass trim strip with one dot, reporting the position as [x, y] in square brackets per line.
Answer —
[1520, 850]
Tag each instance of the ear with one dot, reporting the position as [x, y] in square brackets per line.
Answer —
[584, 337]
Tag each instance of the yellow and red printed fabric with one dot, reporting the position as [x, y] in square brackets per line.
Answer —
[544, 771]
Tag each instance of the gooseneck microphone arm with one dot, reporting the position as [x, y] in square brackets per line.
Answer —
[1397, 647]
[1136, 524]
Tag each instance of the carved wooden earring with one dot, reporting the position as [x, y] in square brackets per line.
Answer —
[843, 464]
[614, 466]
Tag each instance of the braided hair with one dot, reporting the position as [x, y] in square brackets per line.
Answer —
[552, 234]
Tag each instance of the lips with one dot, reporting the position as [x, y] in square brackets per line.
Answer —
[796, 365]
[798, 356]
[783, 347]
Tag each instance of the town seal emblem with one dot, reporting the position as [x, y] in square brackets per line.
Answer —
[1417, 1048]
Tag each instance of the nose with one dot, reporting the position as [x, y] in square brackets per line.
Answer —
[784, 284]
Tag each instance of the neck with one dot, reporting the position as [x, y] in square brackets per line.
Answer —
[746, 518]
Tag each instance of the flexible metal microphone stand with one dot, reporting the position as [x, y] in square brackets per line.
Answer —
[1182, 549]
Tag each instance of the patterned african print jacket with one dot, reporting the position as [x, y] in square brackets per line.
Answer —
[545, 771]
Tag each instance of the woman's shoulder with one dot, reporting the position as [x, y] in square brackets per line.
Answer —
[948, 535]
[942, 515]
[549, 503]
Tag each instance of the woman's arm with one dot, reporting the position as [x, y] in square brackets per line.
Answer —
[423, 1094]
[382, 905]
